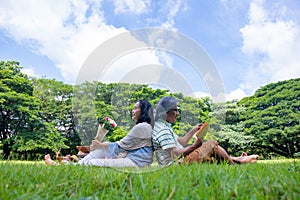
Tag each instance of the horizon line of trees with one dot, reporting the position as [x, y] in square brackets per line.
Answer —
[39, 115]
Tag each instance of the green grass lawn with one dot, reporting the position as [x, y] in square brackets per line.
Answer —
[263, 180]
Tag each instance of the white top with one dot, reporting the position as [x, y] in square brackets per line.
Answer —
[139, 136]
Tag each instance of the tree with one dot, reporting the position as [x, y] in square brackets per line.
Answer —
[16, 101]
[272, 116]
[85, 111]
[226, 128]
[20, 116]
[56, 106]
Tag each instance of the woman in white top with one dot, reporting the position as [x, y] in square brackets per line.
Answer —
[134, 150]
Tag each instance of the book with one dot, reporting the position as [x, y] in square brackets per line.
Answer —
[202, 130]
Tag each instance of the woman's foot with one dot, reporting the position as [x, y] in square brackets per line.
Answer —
[49, 161]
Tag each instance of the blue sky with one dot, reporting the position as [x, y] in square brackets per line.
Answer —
[251, 43]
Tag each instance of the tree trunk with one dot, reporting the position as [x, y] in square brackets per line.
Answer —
[6, 150]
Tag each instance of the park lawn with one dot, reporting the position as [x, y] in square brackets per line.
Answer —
[263, 180]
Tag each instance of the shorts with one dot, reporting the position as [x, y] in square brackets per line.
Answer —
[205, 153]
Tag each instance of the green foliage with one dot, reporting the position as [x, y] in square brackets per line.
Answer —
[56, 109]
[84, 111]
[232, 138]
[41, 140]
[19, 109]
[227, 130]
[117, 135]
[272, 116]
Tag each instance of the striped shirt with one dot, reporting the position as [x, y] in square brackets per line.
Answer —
[163, 137]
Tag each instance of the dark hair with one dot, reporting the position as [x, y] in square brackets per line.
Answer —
[146, 112]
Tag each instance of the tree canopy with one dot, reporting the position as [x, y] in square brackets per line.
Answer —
[39, 115]
[272, 116]
[22, 128]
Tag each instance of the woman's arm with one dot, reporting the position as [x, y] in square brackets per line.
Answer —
[98, 145]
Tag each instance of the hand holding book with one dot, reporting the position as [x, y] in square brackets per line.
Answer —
[202, 130]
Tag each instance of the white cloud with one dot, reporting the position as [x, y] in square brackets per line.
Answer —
[237, 94]
[28, 71]
[200, 94]
[256, 13]
[117, 70]
[132, 6]
[273, 47]
[173, 7]
[66, 32]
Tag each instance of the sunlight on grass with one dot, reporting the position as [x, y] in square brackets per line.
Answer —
[279, 161]
[21, 162]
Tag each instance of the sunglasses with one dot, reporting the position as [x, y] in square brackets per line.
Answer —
[175, 109]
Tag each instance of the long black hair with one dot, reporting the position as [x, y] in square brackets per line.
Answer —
[146, 112]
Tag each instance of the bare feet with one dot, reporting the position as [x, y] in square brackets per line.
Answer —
[249, 159]
[245, 158]
[49, 161]
[244, 154]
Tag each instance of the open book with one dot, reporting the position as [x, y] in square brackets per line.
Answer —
[202, 131]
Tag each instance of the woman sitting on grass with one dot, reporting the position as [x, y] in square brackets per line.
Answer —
[134, 150]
